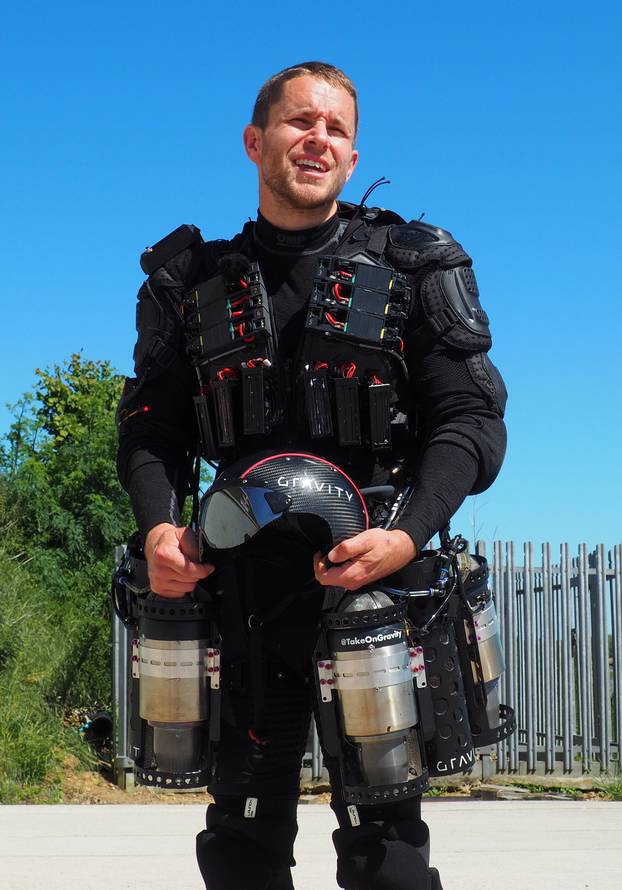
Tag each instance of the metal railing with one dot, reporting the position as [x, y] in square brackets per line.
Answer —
[561, 624]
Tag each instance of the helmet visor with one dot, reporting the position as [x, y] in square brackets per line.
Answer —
[233, 515]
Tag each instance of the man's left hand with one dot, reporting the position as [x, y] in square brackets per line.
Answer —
[364, 558]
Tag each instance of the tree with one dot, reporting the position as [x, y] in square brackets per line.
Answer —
[59, 463]
[65, 511]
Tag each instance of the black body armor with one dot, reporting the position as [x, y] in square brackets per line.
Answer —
[348, 384]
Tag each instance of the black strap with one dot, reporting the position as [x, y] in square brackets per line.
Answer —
[353, 226]
[377, 241]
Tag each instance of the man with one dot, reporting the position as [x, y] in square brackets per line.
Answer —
[302, 139]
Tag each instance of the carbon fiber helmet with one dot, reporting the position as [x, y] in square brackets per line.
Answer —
[282, 492]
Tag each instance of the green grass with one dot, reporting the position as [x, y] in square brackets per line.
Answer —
[611, 786]
[36, 645]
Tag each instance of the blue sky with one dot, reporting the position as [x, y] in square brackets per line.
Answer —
[500, 121]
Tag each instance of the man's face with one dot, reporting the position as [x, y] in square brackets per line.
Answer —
[306, 152]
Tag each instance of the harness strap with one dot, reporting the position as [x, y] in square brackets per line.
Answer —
[377, 241]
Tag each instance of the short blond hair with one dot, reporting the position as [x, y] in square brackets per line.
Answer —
[271, 91]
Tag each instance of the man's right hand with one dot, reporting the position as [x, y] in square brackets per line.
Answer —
[172, 560]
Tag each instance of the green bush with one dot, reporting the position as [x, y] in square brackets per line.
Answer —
[61, 513]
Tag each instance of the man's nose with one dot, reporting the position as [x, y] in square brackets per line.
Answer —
[318, 134]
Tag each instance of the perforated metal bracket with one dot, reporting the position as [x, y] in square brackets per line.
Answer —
[417, 666]
[327, 679]
[212, 667]
[135, 660]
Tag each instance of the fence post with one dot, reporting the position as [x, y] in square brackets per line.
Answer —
[548, 660]
[616, 628]
[601, 652]
[501, 603]
[585, 660]
[122, 764]
[529, 613]
[512, 651]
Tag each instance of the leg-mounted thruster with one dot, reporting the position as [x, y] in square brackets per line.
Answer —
[174, 680]
[454, 624]
[364, 670]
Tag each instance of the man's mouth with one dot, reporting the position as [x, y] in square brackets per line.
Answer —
[311, 167]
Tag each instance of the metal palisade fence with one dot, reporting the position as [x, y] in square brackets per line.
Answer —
[561, 623]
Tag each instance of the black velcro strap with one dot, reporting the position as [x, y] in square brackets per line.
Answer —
[377, 241]
[162, 354]
[441, 322]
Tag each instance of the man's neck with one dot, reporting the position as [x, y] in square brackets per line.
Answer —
[285, 217]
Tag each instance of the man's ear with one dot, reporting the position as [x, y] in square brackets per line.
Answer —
[353, 163]
[252, 142]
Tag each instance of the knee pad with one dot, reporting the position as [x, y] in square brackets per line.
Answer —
[227, 863]
[379, 856]
[237, 851]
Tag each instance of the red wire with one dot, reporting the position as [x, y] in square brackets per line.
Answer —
[319, 365]
[255, 738]
[243, 282]
[349, 370]
[377, 381]
[226, 372]
[340, 296]
[240, 329]
[344, 273]
[332, 320]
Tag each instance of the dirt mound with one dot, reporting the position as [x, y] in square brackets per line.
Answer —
[86, 787]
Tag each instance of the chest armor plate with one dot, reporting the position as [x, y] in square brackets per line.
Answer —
[348, 381]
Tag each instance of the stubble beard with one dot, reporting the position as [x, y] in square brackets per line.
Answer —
[298, 196]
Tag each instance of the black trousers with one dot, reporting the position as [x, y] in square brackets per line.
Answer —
[268, 698]
[251, 826]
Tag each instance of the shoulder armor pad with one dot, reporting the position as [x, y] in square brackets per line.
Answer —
[153, 258]
[379, 215]
[453, 312]
[416, 244]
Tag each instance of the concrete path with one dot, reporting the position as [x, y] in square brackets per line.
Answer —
[476, 845]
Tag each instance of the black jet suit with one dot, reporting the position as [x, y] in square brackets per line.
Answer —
[251, 826]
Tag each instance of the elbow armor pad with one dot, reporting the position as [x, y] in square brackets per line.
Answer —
[486, 375]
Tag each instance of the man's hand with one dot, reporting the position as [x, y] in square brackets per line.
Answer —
[172, 555]
[365, 558]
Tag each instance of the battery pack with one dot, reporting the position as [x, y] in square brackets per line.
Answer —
[206, 431]
[253, 401]
[317, 404]
[348, 411]
[380, 416]
[223, 404]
